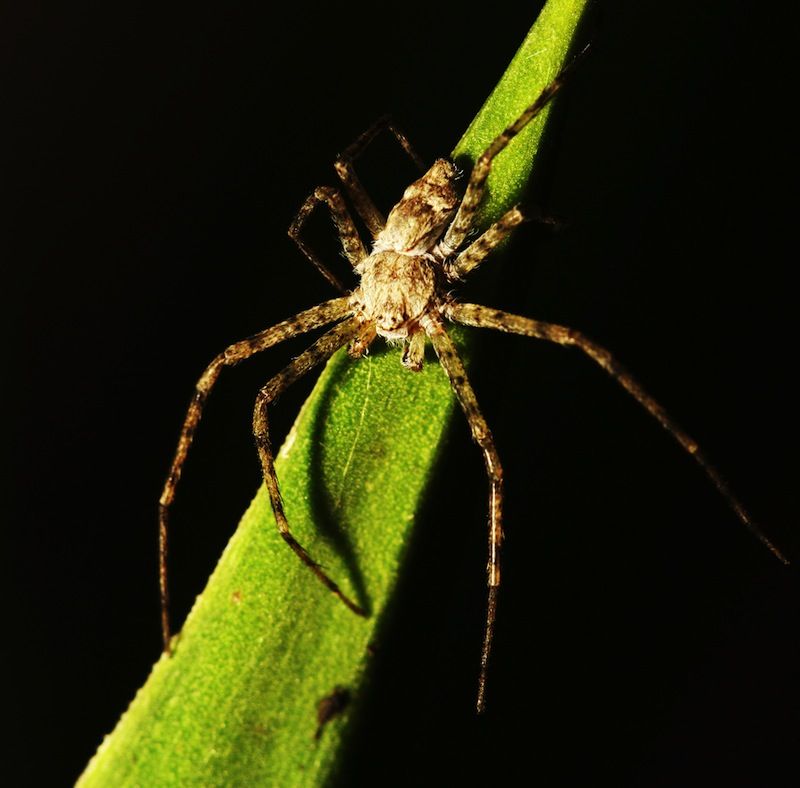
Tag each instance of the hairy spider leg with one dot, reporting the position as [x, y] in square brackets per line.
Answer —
[485, 317]
[414, 352]
[454, 367]
[316, 317]
[476, 187]
[320, 351]
[473, 255]
[345, 169]
[352, 244]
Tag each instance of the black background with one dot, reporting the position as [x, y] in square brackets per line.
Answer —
[645, 638]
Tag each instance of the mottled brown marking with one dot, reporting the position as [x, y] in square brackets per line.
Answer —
[416, 223]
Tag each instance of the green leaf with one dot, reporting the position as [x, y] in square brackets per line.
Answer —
[236, 703]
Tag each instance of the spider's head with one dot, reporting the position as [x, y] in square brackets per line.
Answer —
[426, 208]
[396, 290]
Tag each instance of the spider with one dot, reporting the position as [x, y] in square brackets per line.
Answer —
[418, 253]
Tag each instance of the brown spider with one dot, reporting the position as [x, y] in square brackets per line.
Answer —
[418, 253]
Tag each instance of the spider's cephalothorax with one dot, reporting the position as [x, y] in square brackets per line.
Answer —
[416, 253]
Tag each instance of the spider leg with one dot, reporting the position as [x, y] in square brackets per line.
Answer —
[299, 324]
[348, 234]
[454, 367]
[484, 317]
[472, 256]
[360, 345]
[363, 203]
[414, 352]
[322, 349]
[476, 186]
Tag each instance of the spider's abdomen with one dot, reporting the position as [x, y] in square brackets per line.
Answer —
[415, 224]
[396, 291]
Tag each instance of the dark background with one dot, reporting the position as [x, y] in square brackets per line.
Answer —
[157, 156]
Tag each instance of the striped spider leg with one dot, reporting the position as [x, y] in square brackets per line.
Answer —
[316, 317]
